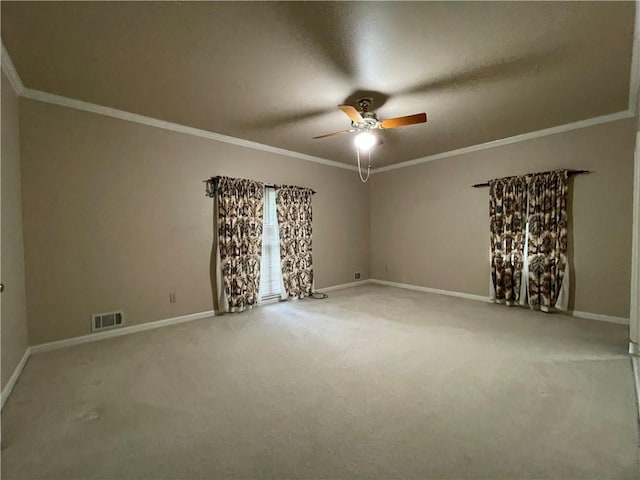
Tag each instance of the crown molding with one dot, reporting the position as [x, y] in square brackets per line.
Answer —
[12, 73]
[21, 90]
[634, 91]
[613, 117]
[51, 98]
[175, 127]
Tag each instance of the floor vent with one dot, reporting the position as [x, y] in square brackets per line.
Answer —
[106, 321]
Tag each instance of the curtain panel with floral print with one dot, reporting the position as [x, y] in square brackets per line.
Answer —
[239, 205]
[528, 228]
[294, 220]
[547, 240]
[507, 211]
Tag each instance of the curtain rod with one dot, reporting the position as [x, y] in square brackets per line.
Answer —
[273, 185]
[267, 185]
[571, 174]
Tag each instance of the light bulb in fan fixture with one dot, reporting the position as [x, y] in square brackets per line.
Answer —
[365, 140]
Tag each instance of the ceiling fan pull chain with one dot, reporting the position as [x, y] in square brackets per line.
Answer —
[364, 180]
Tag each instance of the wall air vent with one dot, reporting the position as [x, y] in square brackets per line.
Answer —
[106, 321]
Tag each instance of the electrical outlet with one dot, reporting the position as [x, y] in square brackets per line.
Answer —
[356, 275]
[172, 297]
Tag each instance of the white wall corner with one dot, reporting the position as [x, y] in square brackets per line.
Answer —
[634, 307]
[12, 74]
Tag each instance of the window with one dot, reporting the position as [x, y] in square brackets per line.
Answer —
[270, 272]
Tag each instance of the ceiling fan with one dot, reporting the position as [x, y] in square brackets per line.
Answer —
[365, 122]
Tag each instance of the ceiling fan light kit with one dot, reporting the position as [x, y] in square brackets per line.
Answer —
[365, 141]
[364, 122]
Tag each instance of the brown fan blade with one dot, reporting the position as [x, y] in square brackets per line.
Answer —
[403, 121]
[334, 133]
[352, 113]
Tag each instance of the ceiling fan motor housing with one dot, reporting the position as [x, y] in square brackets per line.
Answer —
[369, 122]
[369, 119]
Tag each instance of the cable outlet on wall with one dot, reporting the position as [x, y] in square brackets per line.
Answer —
[172, 297]
[356, 275]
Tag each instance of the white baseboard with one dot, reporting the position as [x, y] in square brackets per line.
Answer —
[432, 290]
[343, 285]
[600, 317]
[46, 347]
[14, 377]
[574, 313]
[94, 337]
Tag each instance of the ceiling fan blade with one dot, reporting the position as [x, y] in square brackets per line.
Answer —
[352, 113]
[333, 134]
[404, 121]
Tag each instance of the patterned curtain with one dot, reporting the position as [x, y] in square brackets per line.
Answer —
[507, 210]
[547, 242]
[294, 220]
[239, 236]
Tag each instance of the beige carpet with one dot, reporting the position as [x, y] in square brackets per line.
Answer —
[374, 382]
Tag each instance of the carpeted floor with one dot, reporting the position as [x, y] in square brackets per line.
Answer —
[374, 382]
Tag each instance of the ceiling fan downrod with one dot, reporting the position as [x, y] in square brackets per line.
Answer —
[364, 104]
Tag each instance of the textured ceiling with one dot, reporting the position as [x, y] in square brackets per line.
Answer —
[274, 72]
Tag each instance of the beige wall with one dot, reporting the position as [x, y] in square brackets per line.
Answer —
[430, 228]
[14, 315]
[115, 217]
